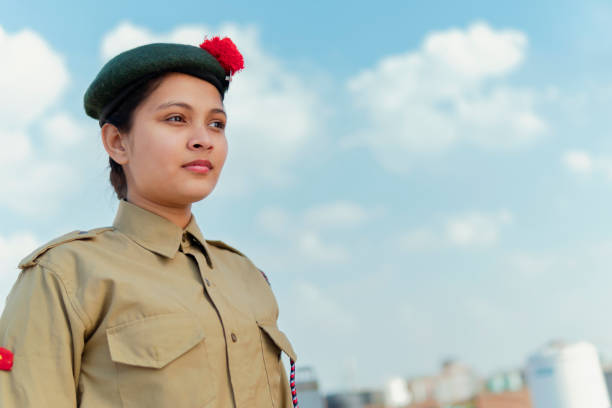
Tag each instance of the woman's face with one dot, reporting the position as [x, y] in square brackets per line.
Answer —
[176, 147]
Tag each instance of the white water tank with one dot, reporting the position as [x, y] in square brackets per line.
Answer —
[396, 393]
[564, 375]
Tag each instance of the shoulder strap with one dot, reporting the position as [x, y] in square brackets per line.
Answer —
[223, 245]
[32, 259]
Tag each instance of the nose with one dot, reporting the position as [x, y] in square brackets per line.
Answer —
[200, 139]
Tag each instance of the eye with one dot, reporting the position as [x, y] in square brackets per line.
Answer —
[219, 124]
[175, 118]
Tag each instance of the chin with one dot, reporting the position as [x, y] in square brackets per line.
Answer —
[194, 195]
[190, 192]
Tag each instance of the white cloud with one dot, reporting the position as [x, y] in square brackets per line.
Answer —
[550, 265]
[35, 186]
[476, 229]
[502, 118]
[449, 90]
[127, 35]
[15, 147]
[12, 249]
[340, 214]
[314, 249]
[478, 51]
[531, 265]
[582, 162]
[271, 109]
[319, 311]
[336, 214]
[61, 130]
[124, 37]
[306, 233]
[578, 161]
[33, 77]
[276, 221]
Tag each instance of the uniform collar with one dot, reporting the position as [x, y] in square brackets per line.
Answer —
[154, 232]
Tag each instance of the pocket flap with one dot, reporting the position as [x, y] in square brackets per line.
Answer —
[154, 341]
[279, 338]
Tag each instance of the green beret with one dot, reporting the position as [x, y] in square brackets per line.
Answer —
[122, 74]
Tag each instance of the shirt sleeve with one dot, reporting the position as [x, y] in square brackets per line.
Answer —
[41, 327]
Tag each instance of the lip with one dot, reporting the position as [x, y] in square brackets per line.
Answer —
[199, 166]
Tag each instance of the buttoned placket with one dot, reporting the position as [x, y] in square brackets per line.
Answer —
[229, 330]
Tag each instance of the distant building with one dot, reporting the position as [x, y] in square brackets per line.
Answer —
[422, 390]
[345, 400]
[608, 378]
[505, 399]
[307, 387]
[356, 399]
[455, 384]
[506, 381]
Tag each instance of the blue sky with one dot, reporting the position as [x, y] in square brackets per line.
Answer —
[419, 181]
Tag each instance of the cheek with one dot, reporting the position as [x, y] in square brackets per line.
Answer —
[153, 157]
[222, 150]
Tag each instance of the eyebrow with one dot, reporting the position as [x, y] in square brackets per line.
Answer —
[187, 106]
[217, 110]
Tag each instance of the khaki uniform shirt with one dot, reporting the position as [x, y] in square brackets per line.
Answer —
[142, 315]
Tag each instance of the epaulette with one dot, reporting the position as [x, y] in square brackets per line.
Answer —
[32, 259]
[223, 245]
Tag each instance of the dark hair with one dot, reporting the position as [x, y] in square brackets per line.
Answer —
[122, 118]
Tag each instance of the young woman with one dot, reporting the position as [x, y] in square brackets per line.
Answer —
[147, 313]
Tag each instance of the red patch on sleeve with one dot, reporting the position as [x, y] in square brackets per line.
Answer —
[6, 359]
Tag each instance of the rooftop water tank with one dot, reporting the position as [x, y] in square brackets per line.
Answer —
[564, 375]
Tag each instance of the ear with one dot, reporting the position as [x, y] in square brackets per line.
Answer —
[114, 143]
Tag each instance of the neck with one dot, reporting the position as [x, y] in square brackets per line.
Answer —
[179, 216]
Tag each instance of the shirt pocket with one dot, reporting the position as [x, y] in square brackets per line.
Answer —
[161, 361]
[273, 341]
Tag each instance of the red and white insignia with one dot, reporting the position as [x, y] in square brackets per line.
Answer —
[6, 359]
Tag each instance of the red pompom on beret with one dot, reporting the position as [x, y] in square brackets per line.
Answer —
[225, 51]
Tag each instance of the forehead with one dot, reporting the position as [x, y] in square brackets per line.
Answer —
[188, 89]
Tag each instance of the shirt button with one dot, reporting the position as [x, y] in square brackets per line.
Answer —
[207, 282]
[234, 337]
